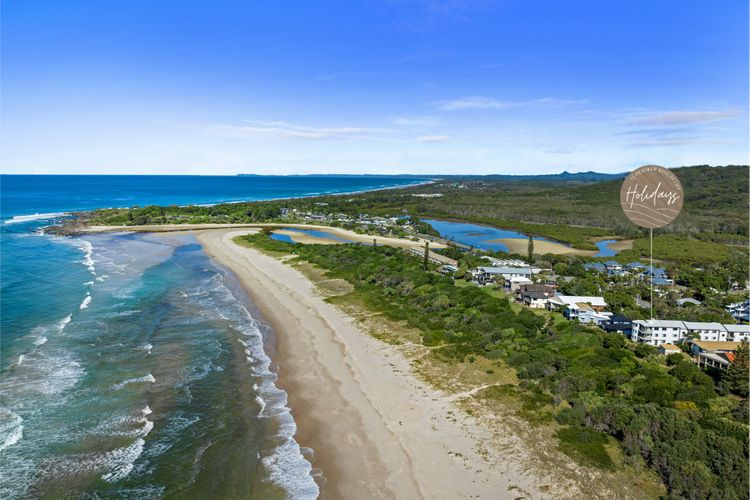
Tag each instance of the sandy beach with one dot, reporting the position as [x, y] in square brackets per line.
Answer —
[520, 246]
[376, 430]
[295, 235]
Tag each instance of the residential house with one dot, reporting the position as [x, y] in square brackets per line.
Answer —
[514, 283]
[505, 262]
[484, 275]
[534, 295]
[618, 323]
[635, 266]
[595, 266]
[613, 266]
[586, 313]
[718, 361]
[740, 311]
[667, 349]
[717, 355]
[699, 346]
[448, 269]
[560, 302]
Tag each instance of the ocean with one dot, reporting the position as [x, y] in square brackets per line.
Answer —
[131, 365]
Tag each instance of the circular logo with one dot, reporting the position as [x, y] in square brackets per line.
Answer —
[651, 196]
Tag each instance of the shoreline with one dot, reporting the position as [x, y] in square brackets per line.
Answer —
[375, 429]
[73, 212]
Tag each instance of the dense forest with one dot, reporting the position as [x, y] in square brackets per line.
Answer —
[687, 426]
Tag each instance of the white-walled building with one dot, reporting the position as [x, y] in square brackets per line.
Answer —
[657, 332]
[706, 331]
[563, 301]
[737, 333]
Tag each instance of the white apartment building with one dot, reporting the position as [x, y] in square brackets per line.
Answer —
[737, 333]
[658, 332]
[707, 331]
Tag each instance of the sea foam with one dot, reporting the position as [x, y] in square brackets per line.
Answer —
[27, 218]
[140, 380]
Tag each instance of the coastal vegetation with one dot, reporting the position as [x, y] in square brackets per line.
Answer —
[595, 388]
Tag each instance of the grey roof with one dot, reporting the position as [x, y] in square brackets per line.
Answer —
[507, 270]
[594, 265]
[663, 323]
[701, 325]
[737, 328]
[688, 300]
[636, 265]
[611, 263]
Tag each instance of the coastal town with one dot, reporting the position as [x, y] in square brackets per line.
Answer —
[710, 344]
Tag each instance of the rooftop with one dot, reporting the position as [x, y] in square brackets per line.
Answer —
[713, 345]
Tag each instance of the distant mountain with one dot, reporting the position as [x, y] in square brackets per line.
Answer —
[561, 177]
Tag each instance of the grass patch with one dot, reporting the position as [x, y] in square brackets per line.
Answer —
[587, 446]
[268, 246]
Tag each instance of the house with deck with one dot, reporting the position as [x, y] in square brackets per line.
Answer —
[534, 295]
[485, 275]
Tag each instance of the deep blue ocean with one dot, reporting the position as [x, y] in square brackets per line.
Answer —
[132, 366]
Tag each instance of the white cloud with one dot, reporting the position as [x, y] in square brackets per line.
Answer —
[433, 138]
[483, 102]
[285, 130]
[682, 117]
[416, 121]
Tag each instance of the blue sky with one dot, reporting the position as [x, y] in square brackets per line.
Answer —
[372, 86]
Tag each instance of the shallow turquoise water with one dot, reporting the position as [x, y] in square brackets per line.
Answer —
[139, 371]
[132, 366]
